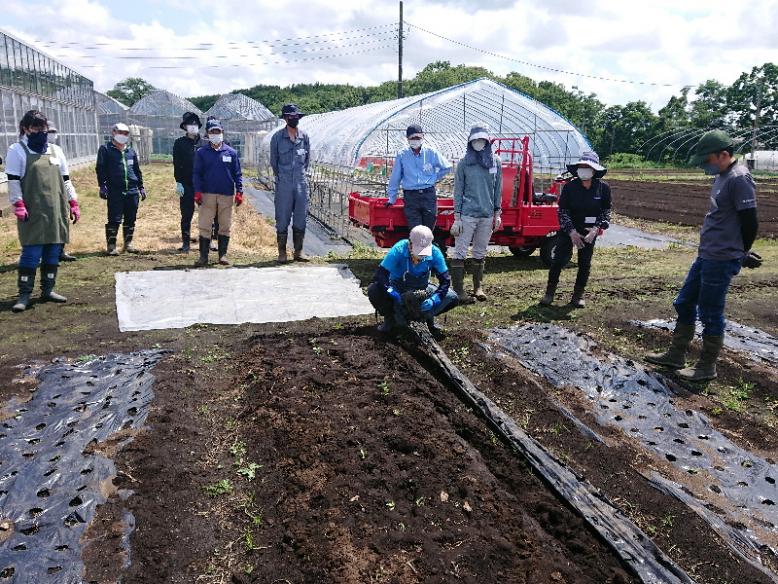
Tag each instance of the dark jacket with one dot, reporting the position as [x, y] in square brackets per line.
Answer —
[118, 169]
[184, 150]
[217, 171]
[581, 208]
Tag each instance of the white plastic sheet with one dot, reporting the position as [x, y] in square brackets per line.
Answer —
[177, 299]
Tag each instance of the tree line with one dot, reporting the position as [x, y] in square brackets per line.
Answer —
[748, 108]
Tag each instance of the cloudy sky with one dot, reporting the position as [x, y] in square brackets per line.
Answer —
[196, 47]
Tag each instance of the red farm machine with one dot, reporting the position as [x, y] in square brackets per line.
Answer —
[529, 219]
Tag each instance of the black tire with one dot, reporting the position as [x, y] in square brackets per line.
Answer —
[522, 252]
[548, 250]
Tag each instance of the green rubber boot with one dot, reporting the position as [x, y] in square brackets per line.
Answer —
[705, 368]
[675, 356]
[457, 270]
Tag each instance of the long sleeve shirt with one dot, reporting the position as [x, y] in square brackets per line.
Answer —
[118, 169]
[478, 190]
[581, 209]
[290, 160]
[415, 172]
[217, 170]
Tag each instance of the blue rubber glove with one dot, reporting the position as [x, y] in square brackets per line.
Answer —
[180, 189]
[142, 193]
[394, 294]
[430, 303]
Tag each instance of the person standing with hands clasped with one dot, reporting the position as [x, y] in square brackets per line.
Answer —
[184, 149]
[584, 209]
[42, 206]
[217, 179]
[477, 210]
[727, 234]
[121, 184]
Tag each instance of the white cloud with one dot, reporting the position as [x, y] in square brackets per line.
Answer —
[665, 42]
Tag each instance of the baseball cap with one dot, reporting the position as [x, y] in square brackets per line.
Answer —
[710, 142]
[120, 127]
[421, 240]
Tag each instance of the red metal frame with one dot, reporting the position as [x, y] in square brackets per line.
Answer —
[525, 223]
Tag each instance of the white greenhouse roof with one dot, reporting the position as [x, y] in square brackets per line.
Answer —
[239, 107]
[165, 104]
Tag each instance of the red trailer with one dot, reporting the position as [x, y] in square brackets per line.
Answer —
[529, 219]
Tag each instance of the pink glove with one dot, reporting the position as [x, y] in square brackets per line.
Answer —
[20, 210]
[578, 241]
[75, 212]
[238, 199]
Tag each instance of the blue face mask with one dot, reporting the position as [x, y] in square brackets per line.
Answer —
[38, 142]
[710, 168]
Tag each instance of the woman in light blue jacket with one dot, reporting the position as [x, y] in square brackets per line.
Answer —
[477, 210]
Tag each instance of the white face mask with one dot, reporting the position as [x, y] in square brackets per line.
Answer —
[479, 145]
[121, 138]
[415, 143]
[52, 138]
[585, 173]
[192, 129]
[216, 138]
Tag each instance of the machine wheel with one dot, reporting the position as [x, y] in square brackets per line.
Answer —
[548, 250]
[522, 252]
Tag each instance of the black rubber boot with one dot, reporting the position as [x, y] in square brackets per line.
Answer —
[224, 242]
[577, 300]
[26, 283]
[297, 238]
[129, 233]
[457, 270]
[205, 245]
[65, 256]
[438, 333]
[185, 246]
[281, 240]
[111, 232]
[48, 281]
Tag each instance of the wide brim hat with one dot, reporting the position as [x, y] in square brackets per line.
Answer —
[291, 109]
[590, 159]
[710, 142]
[478, 133]
[190, 118]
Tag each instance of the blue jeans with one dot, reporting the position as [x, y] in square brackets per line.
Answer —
[704, 294]
[32, 255]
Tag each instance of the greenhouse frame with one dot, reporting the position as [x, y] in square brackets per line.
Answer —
[162, 111]
[244, 120]
[30, 79]
[354, 149]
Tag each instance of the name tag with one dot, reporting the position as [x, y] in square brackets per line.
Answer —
[590, 220]
[493, 170]
[301, 152]
[54, 160]
[226, 158]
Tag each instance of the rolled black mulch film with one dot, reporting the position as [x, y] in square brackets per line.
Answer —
[633, 546]
[52, 472]
[739, 484]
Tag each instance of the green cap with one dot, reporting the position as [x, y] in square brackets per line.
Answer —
[713, 141]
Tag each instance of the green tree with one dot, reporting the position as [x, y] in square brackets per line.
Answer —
[131, 90]
[709, 108]
[753, 97]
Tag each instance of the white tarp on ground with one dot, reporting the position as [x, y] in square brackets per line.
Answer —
[180, 298]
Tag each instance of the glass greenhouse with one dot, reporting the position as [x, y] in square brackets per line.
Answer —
[354, 149]
[109, 112]
[161, 111]
[242, 118]
[30, 79]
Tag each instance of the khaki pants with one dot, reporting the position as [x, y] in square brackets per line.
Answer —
[215, 206]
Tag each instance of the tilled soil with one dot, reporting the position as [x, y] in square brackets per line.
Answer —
[374, 472]
[684, 203]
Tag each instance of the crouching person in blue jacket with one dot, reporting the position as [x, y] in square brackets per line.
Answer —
[406, 270]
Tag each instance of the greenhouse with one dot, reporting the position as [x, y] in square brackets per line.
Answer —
[354, 149]
[161, 111]
[109, 112]
[30, 79]
[242, 118]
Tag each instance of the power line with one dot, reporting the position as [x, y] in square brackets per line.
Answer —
[544, 67]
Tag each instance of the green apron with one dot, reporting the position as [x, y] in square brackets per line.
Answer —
[43, 191]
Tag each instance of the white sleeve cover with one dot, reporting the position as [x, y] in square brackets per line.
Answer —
[14, 191]
[71, 190]
[16, 160]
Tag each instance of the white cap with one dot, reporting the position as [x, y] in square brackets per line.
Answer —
[421, 240]
[120, 127]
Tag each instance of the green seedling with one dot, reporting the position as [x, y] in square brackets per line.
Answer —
[223, 487]
[384, 387]
[84, 358]
[390, 505]
[362, 453]
[238, 449]
[420, 501]
[249, 472]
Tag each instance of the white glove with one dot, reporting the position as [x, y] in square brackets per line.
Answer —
[457, 227]
[578, 241]
[497, 223]
[592, 234]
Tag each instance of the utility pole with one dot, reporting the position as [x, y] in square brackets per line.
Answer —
[757, 115]
[400, 53]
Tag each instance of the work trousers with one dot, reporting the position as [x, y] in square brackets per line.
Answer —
[420, 208]
[385, 304]
[476, 231]
[215, 206]
[704, 294]
[122, 209]
[564, 251]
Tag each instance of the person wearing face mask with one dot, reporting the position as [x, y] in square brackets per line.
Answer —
[406, 269]
[584, 209]
[41, 202]
[121, 184]
[51, 137]
[184, 149]
[217, 180]
[477, 210]
[727, 234]
[290, 158]
[417, 169]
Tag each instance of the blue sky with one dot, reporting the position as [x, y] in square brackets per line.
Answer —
[665, 42]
